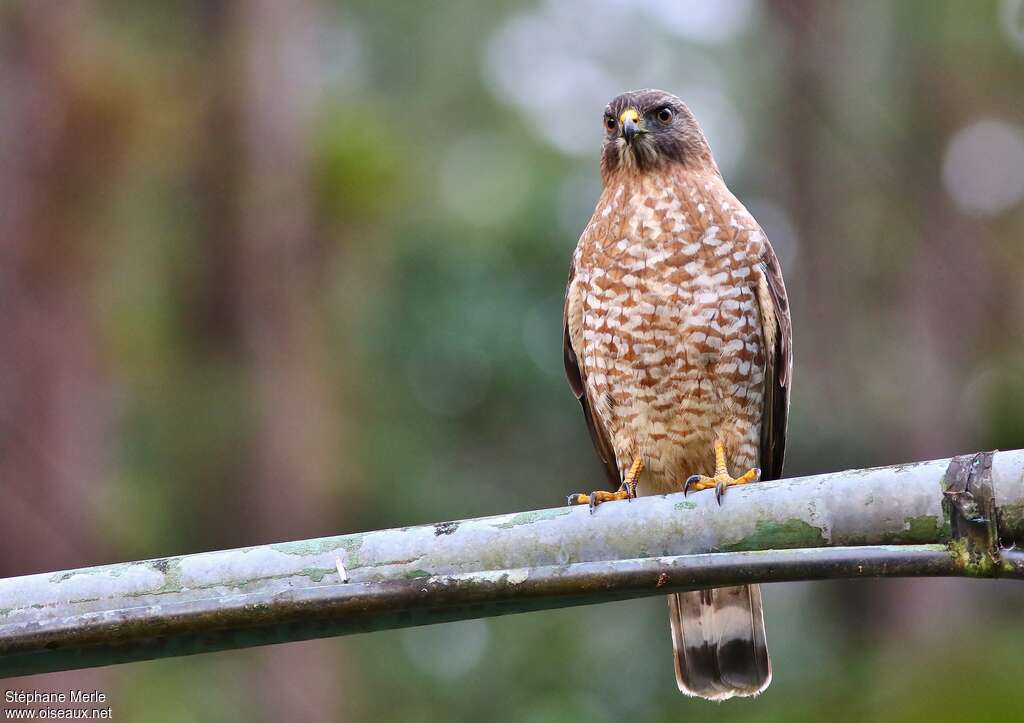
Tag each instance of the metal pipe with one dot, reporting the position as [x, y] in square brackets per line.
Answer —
[889, 521]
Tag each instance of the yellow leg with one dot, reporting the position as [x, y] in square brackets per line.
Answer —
[722, 479]
[633, 476]
[626, 491]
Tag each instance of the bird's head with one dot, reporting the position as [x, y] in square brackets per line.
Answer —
[645, 130]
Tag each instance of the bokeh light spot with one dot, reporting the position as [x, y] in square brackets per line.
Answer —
[983, 169]
[702, 21]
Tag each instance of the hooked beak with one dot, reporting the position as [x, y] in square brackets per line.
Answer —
[630, 124]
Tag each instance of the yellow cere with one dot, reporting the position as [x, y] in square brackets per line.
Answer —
[629, 114]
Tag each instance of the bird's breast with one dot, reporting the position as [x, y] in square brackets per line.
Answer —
[669, 281]
[670, 323]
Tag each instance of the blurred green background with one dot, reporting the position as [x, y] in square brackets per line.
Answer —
[276, 270]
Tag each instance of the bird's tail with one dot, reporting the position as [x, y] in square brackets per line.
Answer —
[718, 641]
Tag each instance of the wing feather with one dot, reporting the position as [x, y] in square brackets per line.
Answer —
[572, 320]
[777, 331]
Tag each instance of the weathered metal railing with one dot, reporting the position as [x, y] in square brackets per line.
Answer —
[957, 517]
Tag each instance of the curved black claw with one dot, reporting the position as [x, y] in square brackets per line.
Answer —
[578, 498]
[629, 489]
[719, 491]
[691, 480]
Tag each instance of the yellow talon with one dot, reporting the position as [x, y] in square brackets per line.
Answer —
[626, 491]
[722, 479]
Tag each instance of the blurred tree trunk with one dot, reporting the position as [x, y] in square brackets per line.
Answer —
[59, 144]
[281, 302]
[944, 327]
[938, 248]
[810, 36]
[805, 25]
[264, 290]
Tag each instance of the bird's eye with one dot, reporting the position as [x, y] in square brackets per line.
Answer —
[609, 123]
[665, 115]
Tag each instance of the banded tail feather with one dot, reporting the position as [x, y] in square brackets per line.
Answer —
[719, 643]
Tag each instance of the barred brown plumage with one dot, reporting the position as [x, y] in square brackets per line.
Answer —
[677, 342]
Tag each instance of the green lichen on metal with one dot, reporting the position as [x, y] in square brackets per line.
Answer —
[922, 529]
[108, 570]
[1011, 522]
[947, 524]
[173, 584]
[353, 547]
[685, 505]
[316, 574]
[170, 568]
[320, 546]
[919, 530]
[528, 518]
[778, 536]
[976, 563]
